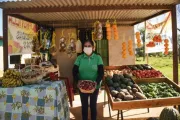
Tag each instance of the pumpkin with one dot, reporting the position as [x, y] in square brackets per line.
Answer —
[152, 118]
[165, 52]
[169, 114]
[166, 40]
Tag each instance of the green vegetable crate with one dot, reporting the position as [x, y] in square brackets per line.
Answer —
[145, 103]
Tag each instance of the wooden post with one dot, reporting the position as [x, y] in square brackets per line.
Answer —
[5, 39]
[144, 42]
[175, 45]
[147, 58]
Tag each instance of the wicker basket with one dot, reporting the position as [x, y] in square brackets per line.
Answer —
[28, 71]
[87, 91]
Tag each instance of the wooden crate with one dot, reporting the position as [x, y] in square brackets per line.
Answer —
[114, 67]
[146, 103]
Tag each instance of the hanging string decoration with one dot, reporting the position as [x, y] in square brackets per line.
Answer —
[157, 38]
[72, 44]
[98, 30]
[35, 44]
[124, 50]
[62, 42]
[166, 46]
[53, 48]
[71, 47]
[138, 38]
[78, 45]
[46, 35]
[108, 30]
[130, 47]
[115, 30]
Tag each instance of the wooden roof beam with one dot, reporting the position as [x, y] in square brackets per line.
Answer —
[87, 8]
[88, 21]
[147, 18]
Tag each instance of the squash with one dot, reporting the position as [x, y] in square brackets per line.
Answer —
[152, 118]
[169, 114]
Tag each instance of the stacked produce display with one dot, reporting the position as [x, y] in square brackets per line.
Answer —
[137, 82]
[11, 78]
[32, 74]
[145, 71]
[158, 90]
[122, 87]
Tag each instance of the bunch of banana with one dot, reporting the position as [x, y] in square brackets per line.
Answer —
[11, 78]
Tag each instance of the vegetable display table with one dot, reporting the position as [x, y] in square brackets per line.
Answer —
[46, 101]
[145, 103]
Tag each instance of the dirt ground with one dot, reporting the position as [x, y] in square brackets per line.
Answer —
[103, 111]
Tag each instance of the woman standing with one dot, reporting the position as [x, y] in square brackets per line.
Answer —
[89, 66]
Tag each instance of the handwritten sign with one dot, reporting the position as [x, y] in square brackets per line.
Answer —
[20, 36]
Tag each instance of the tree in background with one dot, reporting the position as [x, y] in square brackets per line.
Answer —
[142, 31]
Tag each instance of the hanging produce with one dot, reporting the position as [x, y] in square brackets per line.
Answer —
[157, 38]
[62, 42]
[53, 48]
[124, 50]
[115, 30]
[40, 38]
[78, 45]
[46, 34]
[108, 30]
[130, 47]
[150, 44]
[138, 38]
[98, 30]
[35, 44]
[166, 46]
[71, 48]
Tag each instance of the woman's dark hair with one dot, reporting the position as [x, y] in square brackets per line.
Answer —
[90, 41]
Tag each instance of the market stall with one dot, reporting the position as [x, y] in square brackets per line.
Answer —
[58, 35]
[139, 86]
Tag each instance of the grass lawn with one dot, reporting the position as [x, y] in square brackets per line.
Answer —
[163, 64]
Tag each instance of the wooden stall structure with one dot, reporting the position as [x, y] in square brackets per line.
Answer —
[83, 13]
[70, 13]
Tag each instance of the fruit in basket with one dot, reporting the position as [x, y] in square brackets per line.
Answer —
[121, 95]
[121, 86]
[115, 85]
[111, 88]
[117, 99]
[126, 75]
[114, 93]
[87, 85]
[140, 95]
[118, 89]
[116, 78]
[135, 90]
[128, 88]
[169, 114]
[11, 78]
[109, 82]
[128, 97]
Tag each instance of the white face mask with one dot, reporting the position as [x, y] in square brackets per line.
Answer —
[88, 50]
